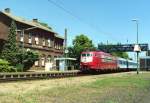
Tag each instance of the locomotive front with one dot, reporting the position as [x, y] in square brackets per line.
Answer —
[86, 61]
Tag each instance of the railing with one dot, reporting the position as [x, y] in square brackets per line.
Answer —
[36, 75]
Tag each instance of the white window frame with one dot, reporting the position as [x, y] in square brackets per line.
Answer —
[21, 36]
[49, 42]
[36, 40]
[43, 61]
[36, 63]
[43, 42]
[49, 59]
[30, 38]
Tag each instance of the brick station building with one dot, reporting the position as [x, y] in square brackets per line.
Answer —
[34, 36]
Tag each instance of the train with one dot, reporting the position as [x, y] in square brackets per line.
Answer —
[101, 61]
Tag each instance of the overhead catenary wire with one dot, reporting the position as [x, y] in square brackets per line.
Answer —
[95, 27]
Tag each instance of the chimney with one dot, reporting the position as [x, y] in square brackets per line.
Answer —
[35, 20]
[7, 10]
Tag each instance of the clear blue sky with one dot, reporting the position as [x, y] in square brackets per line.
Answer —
[100, 20]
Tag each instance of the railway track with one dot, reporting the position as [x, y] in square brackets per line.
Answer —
[4, 77]
[37, 75]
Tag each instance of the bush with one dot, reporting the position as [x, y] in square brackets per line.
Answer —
[19, 67]
[5, 67]
[26, 60]
[3, 62]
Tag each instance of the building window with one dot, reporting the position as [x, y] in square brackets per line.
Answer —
[58, 46]
[36, 40]
[49, 42]
[21, 36]
[49, 59]
[43, 61]
[55, 45]
[36, 63]
[43, 42]
[55, 57]
[30, 38]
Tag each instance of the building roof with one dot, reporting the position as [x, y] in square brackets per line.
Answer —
[58, 36]
[31, 23]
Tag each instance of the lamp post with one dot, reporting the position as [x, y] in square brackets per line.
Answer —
[137, 47]
[137, 26]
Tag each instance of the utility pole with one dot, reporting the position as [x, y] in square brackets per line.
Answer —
[65, 40]
[65, 49]
[107, 42]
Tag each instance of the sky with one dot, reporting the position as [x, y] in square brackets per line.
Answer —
[100, 20]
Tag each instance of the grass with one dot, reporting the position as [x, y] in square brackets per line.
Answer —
[128, 88]
[127, 81]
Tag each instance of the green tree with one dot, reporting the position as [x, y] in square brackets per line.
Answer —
[10, 49]
[26, 59]
[120, 54]
[80, 43]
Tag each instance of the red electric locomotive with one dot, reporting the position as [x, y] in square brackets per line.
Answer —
[97, 61]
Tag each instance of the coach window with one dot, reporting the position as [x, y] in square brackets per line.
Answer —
[120, 62]
[124, 62]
